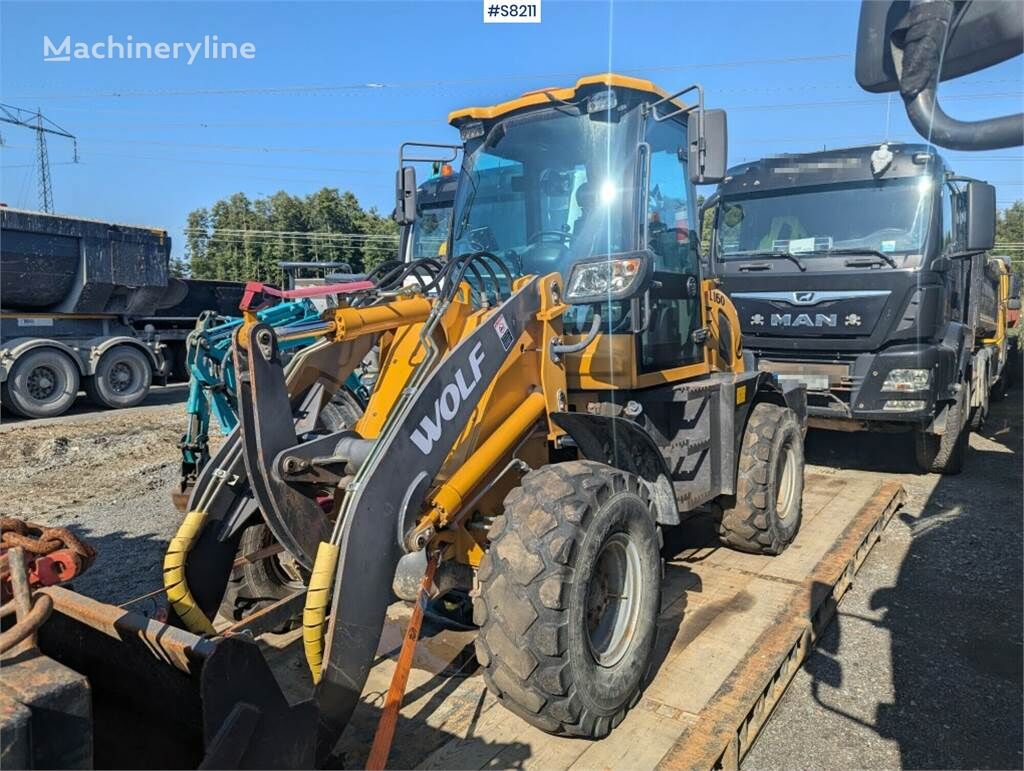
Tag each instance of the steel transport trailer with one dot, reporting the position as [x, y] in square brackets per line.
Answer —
[90, 304]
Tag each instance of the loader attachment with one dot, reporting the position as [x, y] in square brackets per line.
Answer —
[390, 496]
[163, 697]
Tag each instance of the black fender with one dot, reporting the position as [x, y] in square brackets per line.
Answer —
[622, 444]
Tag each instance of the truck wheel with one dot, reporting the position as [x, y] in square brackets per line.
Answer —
[569, 595]
[43, 383]
[764, 516]
[944, 453]
[122, 378]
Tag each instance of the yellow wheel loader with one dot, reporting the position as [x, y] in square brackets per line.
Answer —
[562, 387]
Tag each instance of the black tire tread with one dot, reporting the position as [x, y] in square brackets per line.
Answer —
[746, 526]
[521, 607]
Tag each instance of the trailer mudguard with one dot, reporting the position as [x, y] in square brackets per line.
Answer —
[372, 532]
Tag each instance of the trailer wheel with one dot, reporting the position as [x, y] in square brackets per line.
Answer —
[944, 453]
[569, 595]
[122, 378]
[765, 514]
[43, 383]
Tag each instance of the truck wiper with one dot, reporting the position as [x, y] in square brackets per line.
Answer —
[771, 255]
[866, 252]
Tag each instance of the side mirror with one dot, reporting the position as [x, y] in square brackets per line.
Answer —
[405, 195]
[707, 143]
[981, 216]
[901, 46]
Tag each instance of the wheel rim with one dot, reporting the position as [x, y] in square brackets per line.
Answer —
[121, 377]
[787, 481]
[613, 600]
[42, 383]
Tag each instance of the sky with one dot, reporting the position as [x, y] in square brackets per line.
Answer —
[333, 88]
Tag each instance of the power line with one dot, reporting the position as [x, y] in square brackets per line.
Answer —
[373, 86]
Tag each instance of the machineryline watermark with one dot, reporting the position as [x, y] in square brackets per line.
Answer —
[209, 48]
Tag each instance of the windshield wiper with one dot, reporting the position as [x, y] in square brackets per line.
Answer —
[777, 253]
[867, 252]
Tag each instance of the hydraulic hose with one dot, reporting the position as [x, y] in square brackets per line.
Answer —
[178, 593]
[314, 613]
[558, 349]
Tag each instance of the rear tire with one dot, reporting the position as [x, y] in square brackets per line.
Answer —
[122, 378]
[944, 453]
[43, 383]
[764, 516]
[570, 590]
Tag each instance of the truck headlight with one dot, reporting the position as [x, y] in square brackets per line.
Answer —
[903, 405]
[907, 380]
[605, 279]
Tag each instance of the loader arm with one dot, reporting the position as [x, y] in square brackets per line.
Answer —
[393, 491]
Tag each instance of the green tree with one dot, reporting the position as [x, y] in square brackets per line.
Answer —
[239, 238]
[1010, 234]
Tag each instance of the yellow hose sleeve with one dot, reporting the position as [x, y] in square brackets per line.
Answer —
[318, 597]
[178, 593]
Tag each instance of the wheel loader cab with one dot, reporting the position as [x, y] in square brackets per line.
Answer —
[593, 182]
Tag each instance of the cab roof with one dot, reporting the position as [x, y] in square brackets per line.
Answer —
[567, 93]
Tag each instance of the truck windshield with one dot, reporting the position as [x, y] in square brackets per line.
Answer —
[548, 188]
[887, 217]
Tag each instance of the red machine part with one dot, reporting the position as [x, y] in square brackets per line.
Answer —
[54, 555]
[256, 293]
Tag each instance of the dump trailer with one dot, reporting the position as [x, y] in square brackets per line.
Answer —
[91, 304]
[546, 410]
[861, 273]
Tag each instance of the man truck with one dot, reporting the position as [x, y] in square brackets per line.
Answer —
[862, 274]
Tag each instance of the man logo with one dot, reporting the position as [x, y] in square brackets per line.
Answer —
[803, 298]
[803, 320]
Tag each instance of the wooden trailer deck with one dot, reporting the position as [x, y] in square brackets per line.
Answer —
[733, 630]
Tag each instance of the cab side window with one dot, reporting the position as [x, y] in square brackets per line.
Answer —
[670, 213]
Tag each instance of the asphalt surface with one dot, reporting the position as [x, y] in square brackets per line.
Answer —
[921, 667]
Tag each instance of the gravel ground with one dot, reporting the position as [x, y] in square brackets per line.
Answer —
[922, 666]
[921, 669]
[108, 477]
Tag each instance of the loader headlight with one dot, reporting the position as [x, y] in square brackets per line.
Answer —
[907, 380]
[606, 279]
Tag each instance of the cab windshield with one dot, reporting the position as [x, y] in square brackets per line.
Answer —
[549, 188]
[884, 216]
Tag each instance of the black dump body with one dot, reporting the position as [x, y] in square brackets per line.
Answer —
[192, 296]
[56, 264]
[846, 319]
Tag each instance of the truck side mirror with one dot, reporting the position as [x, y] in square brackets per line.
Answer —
[405, 195]
[981, 216]
[901, 46]
[707, 143]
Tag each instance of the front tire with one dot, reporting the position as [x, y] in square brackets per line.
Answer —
[569, 596]
[944, 453]
[764, 517]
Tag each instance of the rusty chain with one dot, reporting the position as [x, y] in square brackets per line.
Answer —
[39, 540]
